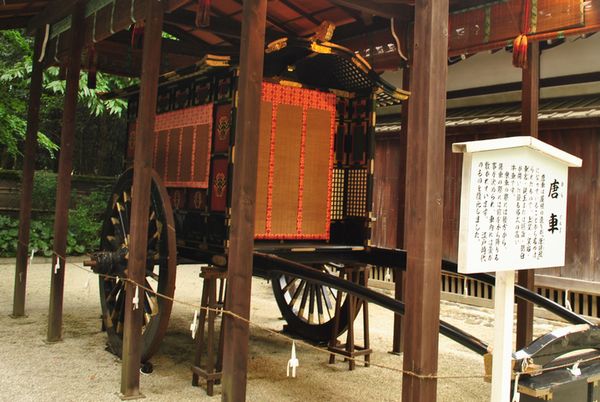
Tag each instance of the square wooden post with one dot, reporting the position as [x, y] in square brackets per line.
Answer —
[140, 202]
[425, 199]
[239, 270]
[400, 276]
[65, 167]
[530, 96]
[33, 112]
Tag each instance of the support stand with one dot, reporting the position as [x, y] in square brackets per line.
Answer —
[503, 335]
[211, 372]
[350, 349]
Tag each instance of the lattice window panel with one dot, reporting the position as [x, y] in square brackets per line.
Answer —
[337, 195]
[356, 195]
[350, 76]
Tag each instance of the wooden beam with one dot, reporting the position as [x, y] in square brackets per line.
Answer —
[14, 22]
[300, 11]
[425, 199]
[186, 38]
[183, 47]
[274, 21]
[530, 97]
[142, 171]
[65, 167]
[33, 112]
[54, 11]
[222, 26]
[239, 273]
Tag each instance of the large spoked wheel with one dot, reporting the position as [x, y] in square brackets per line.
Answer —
[160, 267]
[309, 307]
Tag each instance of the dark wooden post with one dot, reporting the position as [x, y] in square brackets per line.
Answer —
[400, 277]
[65, 166]
[33, 111]
[425, 198]
[142, 169]
[239, 271]
[530, 96]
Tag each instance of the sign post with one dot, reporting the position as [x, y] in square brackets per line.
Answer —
[512, 216]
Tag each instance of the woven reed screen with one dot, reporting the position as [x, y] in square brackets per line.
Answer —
[182, 146]
[295, 163]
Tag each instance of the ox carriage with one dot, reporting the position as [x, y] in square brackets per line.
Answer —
[313, 203]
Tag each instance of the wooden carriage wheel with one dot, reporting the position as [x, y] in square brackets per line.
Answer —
[160, 268]
[309, 307]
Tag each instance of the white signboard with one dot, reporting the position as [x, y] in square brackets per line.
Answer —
[513, 205]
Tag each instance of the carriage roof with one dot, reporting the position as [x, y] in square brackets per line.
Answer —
[300, 62]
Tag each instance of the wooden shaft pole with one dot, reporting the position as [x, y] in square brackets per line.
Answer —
[142, 170]
[530, 96]
[33, 111]
[65, 167]
[425, 198]
[239, 273]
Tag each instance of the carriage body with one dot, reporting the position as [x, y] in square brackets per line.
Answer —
[314, 180]
[314, 165]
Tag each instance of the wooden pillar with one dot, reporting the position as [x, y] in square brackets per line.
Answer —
[400, 276]
[35, 93]
[424, 199]
[530, 96]
[239, 271]
[65, 167]
[142, 170]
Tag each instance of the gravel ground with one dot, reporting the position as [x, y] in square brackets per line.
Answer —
[79, 368]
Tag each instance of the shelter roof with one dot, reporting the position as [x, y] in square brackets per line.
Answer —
[354, 19]
[290, 16]
[362, 25]
[575, 107]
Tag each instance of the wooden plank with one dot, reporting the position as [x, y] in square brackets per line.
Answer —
[35, 92]
[63, 187]
[142, 163]
[530, 97]
[379, 8]
[574, 285]
[239, 274]
[424, 199]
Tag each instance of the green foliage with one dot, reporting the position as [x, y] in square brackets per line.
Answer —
[85, 223]
[44, 190]
[9, 235]
[15, 72]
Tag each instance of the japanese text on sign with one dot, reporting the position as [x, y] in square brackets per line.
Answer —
[513, 209]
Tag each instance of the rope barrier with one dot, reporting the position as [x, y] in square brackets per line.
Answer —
[305, 343]
[272, 331]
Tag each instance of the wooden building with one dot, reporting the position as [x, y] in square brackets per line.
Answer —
[127, 37]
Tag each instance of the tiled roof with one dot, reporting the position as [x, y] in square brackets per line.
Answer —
[577, 107]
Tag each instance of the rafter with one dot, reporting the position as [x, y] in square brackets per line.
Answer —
[380, 8]
[273, 21]
[53, 12]
[300, 11]
[220, 25]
